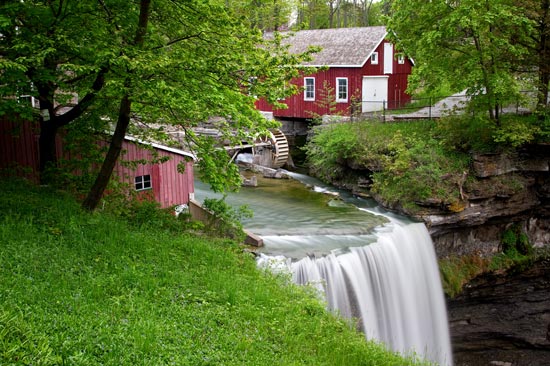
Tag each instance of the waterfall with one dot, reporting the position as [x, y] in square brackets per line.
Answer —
[392, 287]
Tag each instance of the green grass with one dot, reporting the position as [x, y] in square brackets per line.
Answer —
[92, 289]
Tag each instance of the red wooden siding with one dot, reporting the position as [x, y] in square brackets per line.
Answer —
[168, 186]
[19, 156]
[19, 148]
[397, 84]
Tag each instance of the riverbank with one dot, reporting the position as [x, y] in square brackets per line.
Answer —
[79, 288]
[486, 212]
[466, 188]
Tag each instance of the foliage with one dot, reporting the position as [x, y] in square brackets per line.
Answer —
[478, 134]
[515, 131]
[469, 45]
[330, 147]
[319, 14]
[226, 220]
[407, 163]
[516, 253]
[267, 15]
[151, 65]
[466, 133]
[514, 240]
[456, 271]
[86, 289]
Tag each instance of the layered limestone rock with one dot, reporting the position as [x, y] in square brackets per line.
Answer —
[508, 188]
[503, 319]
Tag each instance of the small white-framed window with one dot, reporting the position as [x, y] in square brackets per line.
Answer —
[143, 182]
[342, 90]
[374, 58]
[401, 59]
[309, 88]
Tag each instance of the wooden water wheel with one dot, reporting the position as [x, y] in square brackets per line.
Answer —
[278, 144]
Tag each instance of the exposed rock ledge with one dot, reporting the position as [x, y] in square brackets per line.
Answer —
[503, 319]
[509, 188]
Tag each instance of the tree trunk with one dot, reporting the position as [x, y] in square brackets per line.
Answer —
[48, 131]
[96, 192]
[544, 56]
[46, 147]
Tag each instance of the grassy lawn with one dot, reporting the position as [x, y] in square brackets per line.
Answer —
[93, 289]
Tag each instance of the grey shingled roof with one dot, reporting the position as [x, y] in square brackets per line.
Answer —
[340, 47]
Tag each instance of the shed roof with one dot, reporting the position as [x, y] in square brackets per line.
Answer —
[162, 147]
[339, 47]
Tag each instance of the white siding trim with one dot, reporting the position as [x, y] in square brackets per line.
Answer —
[388, 58]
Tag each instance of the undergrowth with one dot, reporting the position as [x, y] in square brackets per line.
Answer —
[410, 163]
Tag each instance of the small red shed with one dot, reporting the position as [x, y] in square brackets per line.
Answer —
[362, 73]
[161, 180]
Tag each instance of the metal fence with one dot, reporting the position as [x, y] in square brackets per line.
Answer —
[436, 107]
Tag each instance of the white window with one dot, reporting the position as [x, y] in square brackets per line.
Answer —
[342, 90]
[309, 86]
[374, 58]
[388, 58]
[401, 59]
[143, 182]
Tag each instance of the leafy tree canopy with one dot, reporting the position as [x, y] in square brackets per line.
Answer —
[176, 63]
[472, 45]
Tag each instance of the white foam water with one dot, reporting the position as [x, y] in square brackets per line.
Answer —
[392, 287]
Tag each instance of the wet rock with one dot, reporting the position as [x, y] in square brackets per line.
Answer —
[503, 319]
[250, 182]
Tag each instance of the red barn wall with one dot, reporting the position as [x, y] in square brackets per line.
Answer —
[19, 153]
[299, 108]
[19, 156]
[169, 187]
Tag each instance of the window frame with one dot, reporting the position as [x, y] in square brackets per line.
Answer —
[374, 58]
[400, 59]
[306, 91]
[143, 182]
[338, 92]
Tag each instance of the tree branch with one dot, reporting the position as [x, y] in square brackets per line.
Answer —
[85, 102]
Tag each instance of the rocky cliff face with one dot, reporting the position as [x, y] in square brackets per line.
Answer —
[503, 319]
[501, 190]
[508, 188]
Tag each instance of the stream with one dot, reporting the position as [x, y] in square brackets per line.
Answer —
[370, 265]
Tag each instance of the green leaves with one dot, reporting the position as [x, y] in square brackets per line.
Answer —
[472, 45]
[196, 62]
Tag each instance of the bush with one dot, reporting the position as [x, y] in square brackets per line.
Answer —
[226, 221]
[515, 241]
[406, 160]
[466, 133]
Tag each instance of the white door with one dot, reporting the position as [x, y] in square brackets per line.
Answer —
[375, 93]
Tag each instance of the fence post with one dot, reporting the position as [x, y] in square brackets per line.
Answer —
[430, 109]
[384, 110]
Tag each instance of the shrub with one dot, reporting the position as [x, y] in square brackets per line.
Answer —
[226, 221]
[515, 241]
[466, 133]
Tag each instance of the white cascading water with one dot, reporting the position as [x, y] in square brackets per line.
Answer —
[369, 265]
[391, 286]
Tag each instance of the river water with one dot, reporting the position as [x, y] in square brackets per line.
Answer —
[368, 264]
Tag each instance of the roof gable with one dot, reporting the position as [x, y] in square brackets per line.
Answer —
[340, 46]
